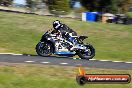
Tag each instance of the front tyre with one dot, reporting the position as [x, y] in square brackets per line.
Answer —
[44, 49]
[89, 53]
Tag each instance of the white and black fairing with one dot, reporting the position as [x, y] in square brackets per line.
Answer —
[60, 45]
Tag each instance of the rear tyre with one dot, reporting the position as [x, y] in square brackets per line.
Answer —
[87, 54]
[44, 49]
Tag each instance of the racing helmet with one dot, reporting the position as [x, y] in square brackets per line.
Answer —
[56, 24]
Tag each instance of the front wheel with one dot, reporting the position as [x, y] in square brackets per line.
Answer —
[89, 53]
[44, 49]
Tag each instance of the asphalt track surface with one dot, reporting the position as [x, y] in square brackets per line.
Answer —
[65, 61]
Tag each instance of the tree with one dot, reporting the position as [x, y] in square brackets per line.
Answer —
[59, 7]
[90, 5]
[106, 5]
[124, 5]
[6, 2]
[109, 5]
[35, 5]
[30, 3]
[96, 5]
[72, 3]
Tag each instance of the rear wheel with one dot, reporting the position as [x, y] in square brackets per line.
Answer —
[89, 53]
[44, 49]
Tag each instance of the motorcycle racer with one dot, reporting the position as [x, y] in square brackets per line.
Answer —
[67, 33]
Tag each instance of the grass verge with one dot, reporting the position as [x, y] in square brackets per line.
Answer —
[129, 14]
[43, 76]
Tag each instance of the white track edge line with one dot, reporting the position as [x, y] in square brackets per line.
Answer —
[29, 61]
[63, 63]
[117, 61]
[128, 62]
[92, 59]
[17, 54]
[10, 54]
[105, 60]
[45, 62]
[6, 53]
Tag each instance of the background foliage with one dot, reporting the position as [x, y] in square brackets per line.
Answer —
[6, 2]
[106, 5]
[59, 6]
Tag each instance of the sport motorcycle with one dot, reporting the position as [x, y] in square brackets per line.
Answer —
[54, 43]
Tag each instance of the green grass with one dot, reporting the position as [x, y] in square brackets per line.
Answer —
[129, 14]
[19, 33]
[43, 76]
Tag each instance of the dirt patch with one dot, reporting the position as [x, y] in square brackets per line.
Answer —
[3, 50]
